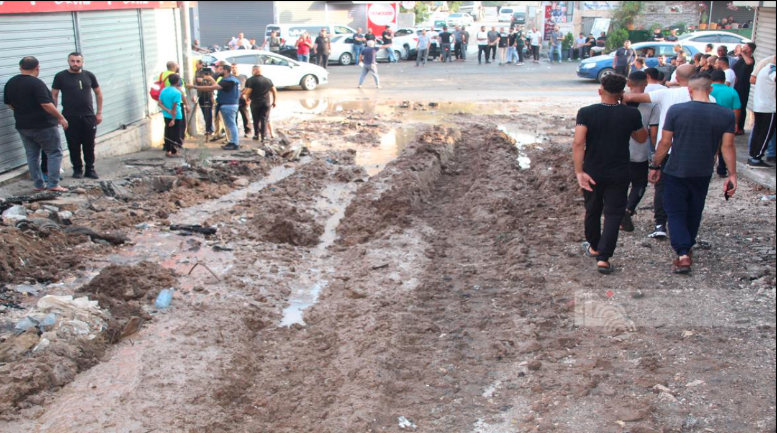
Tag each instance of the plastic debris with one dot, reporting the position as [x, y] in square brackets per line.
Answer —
[25, 324]
[405, 423]
[164, 299]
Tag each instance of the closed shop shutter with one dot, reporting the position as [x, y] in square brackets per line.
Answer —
[219, 21]
[48, 37]
[301, 12]
[764, 39]
[160, 45]
[110, 43]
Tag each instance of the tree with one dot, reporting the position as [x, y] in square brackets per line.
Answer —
[422, 11]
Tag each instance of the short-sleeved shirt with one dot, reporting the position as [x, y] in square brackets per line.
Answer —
[370, 37]
[322, 45]
[624, 57]
[492, 36]
[763, 96]
[731, 77]
[725, 96]
[697, 129]
[25, 93]
[169, 97]
[446, 37]
[536, 37]
[260, 90]
[356, 42]
[304, 49]
[503, 40]
[388, 37]
[556, 38]
[651, 114]
[457, 35]
[368, 55]
[609, 128]
[423, 42]
[670, 38]
[512, 39]
[76, 90]
[482, 38]
[666, 98]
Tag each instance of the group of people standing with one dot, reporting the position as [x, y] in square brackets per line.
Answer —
[510, 44]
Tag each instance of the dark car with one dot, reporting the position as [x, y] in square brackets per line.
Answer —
[519, 19]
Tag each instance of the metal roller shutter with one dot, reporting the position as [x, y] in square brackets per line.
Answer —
[48, 37]
[160, 45]
[301, 12]
[764, 38]
[111, 46]
[220, 21]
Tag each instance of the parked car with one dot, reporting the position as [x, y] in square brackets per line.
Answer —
[283, 72]
[290, 32]
[714, 37]
[342, 51]
[460, 19]
[518, 19]
[473, 8]
[505, 14]
[597, 67]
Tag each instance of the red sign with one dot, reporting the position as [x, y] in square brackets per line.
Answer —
[380, 16]
[16, 7]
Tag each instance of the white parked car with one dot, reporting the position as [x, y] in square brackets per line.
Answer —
[342, 49]
[283, 72]
[506, 14]
[460, 19]
[715, 37]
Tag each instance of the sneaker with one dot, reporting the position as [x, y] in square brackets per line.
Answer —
[255, 138]
[359, 87]
[627, 224]
[659, 233]
[78, 175]
[231, 146]
[757, 163]
[92, 175]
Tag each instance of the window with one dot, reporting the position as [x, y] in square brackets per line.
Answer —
[242, 60]
[403, 32]
[726, 39]
[706, 38]
[666, 50]
[295, 32]
[271, 29]
[347, 40]
[506, 11]
[646, 52]
[272, 61]
[342, 30]
[336, 39]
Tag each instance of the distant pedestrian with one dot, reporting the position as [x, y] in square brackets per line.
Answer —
[261, 95]
[512, 44]
[764, 109]
[504, 40]
[693, 131]
[204, 76]
[369, 36]
[446, 39]
[422, 51]
[536, 40]
[482, 39]
[170, 101]
[77, 86]
[578, 48]
[369, 64]
[464, 43]
[731, 76]
[556, 41]
[358, 45]
[601, 156]
[672, 36]
[520, 44]
[323, 48]
[273, 43]
[727, 97]
[36, 120]
[623, 59]
[743, 69]
[388, 44]
[457, 41]
[228, 101]
[304, 44]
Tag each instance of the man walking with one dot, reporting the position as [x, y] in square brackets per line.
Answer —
[693, 131]
[556, 38]
[261, 95]
[323, 48]
[726, 97]
[764, 109]
[640, 152]
[228, 101]
[482, 38]
[77, 86]
[36, 120]
[464, 43]
[358, 45]
[601, 156]
[424, 41]
[624, 58]
[512, 43]
[445, 44]
[369, 64]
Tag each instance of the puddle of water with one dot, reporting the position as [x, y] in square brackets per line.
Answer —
[522, 139]
[304, 293]
[375, 159]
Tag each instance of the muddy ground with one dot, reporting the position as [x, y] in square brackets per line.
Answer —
[430, 279]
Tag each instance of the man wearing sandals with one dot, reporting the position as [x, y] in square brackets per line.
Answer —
[37, 121]
[602, 157]
[693, 131]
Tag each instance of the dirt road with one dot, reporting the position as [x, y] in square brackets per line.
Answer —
[436, 286]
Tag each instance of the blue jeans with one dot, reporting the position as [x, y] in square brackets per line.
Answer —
[304, 58]
[229, 113]
[512, 53]
[391, 57]
[771, 151]
[555, 50]
[357, 52]
[684, 200]
[48, 141]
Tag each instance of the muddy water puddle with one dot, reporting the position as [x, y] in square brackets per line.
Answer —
[522, 138]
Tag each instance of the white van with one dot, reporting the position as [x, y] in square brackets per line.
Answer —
[289, 33]
[506, 14]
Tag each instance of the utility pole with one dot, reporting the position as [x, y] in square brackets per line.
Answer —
[186, 67]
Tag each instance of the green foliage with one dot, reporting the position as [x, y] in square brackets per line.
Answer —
[616, 39]
[569, 40]
[626, 13]
[656, 26]
[681, 28]
[454, 6]
[422, 11]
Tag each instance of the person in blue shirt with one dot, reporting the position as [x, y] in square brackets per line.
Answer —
[725, 96]
[369, 63]
[170, 101]
[228, 101]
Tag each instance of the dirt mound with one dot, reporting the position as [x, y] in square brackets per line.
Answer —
[39, 256]
[293, 227]
[122, 290]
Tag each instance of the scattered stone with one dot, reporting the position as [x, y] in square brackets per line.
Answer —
[405, 423]
[535, 365]
[65, 217]
[112, 189]
[755, 272]
[15, 212]
[694, 384]
[41, 213]
[241, 182]
[162, 184]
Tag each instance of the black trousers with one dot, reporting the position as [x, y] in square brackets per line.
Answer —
[744, 97]
[639, 183]
[608, 198]
[535, 51]
[322, 60]
[242, 111]
[763, 130]
[207, 114]
[519, 48]
[182, 128]
[492, 50]
[173, 136]
[622, 70]
[481, 50]
[80, 136]
[261, 116]
[457, 50]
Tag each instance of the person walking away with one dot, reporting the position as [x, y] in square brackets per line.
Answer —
[388, 44]
[536, 40]
[556, 39]
[482, 39]
[323, 48]
[764, 113]
[665, 98]
[502, 45]
[77, 86]
[601, 156]
[640, 152]
[205, 99]
[727, 97]
[358, 45]
[493, 41]
[623, 59]
[743, 69]
[723, 65]
[445, 44]
[273, 43]
[694, 132]
[369, 64]
[242, 104]
[37, 121]
[303, 46]
[170, 100]
[261, 94]
[228, 100]
[422, 52]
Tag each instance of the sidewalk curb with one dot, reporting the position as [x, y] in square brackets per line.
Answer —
[763, 177]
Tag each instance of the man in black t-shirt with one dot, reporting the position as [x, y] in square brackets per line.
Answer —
[602, 164]
[261, 93]
[623, 59]
[77, 85]
[446, 39]
[388, 41]
[323, 48]
[36, 121]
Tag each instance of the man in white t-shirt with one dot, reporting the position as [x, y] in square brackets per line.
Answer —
[764, 108]
[482, 38]
[723, 64]
[535, 41]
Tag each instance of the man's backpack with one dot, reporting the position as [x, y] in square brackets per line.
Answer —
[156, 88]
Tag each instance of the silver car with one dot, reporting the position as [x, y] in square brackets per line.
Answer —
[342, 50]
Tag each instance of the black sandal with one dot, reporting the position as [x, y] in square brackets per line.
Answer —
[604, 270]
[587, 250]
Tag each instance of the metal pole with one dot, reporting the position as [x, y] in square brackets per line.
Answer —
[709, 24]
[186, 50]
